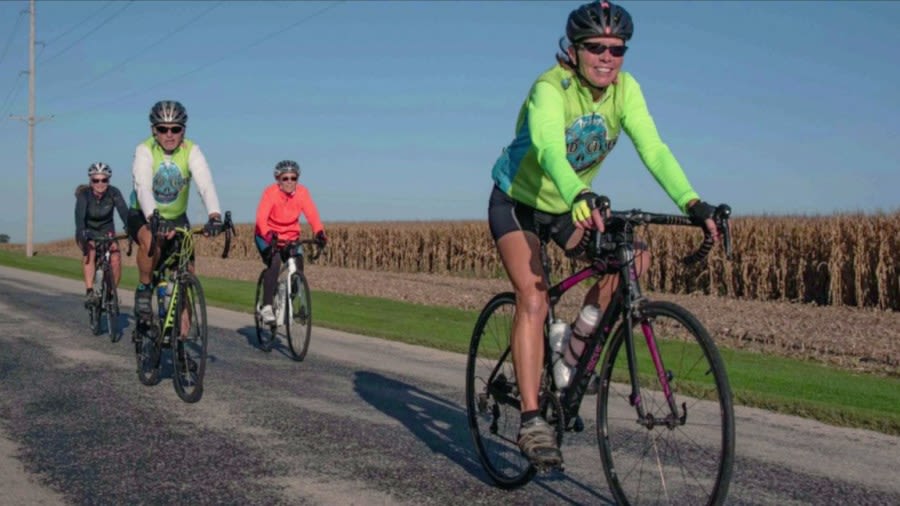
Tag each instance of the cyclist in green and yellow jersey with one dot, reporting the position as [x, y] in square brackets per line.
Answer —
[164, 166]
[569, 122]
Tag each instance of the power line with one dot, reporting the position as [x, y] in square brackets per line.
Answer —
[83, 21]
[7, 100]
[210, 64]
[10, 101]
[89, 33]
[140, 52]
[12, 34]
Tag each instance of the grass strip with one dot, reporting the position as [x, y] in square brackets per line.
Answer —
[784, 385]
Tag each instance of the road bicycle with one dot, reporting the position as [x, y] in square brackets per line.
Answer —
[664, 415]
[292, 303]
[106, 302]
[179, 322]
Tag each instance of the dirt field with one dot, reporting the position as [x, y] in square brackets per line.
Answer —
[858, 339]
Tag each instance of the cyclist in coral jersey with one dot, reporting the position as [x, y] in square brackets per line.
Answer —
[164, 166]
[278, 215]
[568, 124]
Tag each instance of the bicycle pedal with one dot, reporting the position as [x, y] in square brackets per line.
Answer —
[577, 425]
[546, 469]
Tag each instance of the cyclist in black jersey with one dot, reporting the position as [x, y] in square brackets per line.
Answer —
[95, 203]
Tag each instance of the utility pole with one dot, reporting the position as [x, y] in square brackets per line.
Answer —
[29, 227]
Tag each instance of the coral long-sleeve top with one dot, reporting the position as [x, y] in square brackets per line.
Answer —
[279, 212]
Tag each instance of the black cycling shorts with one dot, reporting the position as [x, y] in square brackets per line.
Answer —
[506, 215]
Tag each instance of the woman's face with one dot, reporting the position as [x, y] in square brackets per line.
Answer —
[287, 181]
[99, 183]
[596, 59]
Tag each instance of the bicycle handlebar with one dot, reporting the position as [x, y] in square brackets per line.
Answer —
[227, 228]
[317, 249]
[104, 240]
[618, 222]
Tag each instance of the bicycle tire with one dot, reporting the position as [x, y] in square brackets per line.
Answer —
[111, 306]
[265, 334]
[148, 353]
[189, 356]
[95, 317]
[492, 399]
[688, 461]
[298, 321]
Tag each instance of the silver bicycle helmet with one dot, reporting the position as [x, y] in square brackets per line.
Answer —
[287, 166]
[168, 111]
[598, 19]
[99, 168]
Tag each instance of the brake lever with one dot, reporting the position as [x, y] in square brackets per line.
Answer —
[723, 216]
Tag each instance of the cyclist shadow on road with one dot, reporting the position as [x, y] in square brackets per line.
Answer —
[441, 424]
[279, 346]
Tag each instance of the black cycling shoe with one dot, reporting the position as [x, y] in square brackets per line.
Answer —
[143, 311]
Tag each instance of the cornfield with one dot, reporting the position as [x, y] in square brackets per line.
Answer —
[842, 259]
[850, 259]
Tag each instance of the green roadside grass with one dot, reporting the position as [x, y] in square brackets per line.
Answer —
[778, 384]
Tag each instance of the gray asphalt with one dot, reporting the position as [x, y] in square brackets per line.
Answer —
[360, 421]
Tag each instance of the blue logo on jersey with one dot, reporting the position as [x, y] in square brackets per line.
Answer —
[167, 183]
[586, 142]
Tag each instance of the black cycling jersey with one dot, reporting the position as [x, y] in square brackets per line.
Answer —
[95, 215]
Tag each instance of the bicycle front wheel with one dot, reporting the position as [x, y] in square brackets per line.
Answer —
[265, 334]
[111, 305]
[191, 346]
[680, 449]
[95, 316]
[492, 395]
[298, 321]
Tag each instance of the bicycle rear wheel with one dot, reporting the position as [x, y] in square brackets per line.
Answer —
[111, 306]
[670, 458]
[298, 321]
[265, 334]
[492, 395]
[190, 350]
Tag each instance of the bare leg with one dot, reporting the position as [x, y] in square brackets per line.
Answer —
[87, 267]
[601, 293]
[115, 263]
[520, 253]
[145, 263]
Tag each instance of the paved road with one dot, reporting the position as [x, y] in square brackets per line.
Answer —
[361, 421]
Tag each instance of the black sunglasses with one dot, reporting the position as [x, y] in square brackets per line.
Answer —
[165, 129]
[104, 180]
[288, 178]
[598, 49]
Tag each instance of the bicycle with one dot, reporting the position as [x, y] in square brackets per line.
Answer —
[107, 300]
[182, 298]
[293, 287]
[664, 416]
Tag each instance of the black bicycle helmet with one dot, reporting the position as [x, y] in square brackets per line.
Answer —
[598, 19]
[99, 168]
[168, 111]
[287, 166]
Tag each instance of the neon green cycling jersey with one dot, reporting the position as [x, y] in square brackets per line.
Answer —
[563, 135]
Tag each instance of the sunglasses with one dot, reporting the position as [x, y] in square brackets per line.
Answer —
[98, 181]
[165, 129]
[598, 49]
[288, 178]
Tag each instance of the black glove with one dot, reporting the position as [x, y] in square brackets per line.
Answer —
[213, 227]
[700, 212]
[321, 240]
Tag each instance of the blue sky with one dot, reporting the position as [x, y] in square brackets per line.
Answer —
[397, 110]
